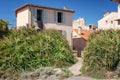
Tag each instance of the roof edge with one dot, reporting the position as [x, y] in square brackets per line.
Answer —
[37, 6]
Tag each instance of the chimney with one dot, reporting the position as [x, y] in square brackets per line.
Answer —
[106, 13]
[65, 8]
[118, 1]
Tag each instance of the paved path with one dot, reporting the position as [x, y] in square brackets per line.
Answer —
[80, 78]
[75, 69]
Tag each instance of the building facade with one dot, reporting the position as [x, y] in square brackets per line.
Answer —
[80, 22]
[80, 25]
[110, 20]
[45, 18]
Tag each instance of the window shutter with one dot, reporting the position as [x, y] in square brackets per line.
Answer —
[44, 18]
[55, 16]
[35, 14]
[64, 33]
[64, 17]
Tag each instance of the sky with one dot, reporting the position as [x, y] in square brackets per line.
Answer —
[90, 10]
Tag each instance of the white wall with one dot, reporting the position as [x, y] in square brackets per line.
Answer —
[80, 22]
[108, 21]
[22, 17]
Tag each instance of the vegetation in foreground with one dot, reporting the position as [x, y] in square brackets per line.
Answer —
[27, 49]
[3, 27]
[102, 54]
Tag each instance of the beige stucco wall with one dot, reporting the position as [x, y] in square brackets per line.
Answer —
[108, 21]
[22, 17]
[49, 22]
[49, 16]
[68, 30]
[29, 16]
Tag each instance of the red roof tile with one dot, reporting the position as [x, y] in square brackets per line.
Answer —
[84, 33]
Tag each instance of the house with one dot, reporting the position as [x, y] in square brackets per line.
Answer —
[45, 18]
[80, 42]
[80, 25]
[92, 27]
[110, 20]
[80, 22]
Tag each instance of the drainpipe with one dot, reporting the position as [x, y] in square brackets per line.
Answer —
[119, 9]
[31, 15]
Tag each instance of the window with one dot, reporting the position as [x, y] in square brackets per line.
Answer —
[111, 22]
[106, 21]
[59, 17]
[118, 22]
[63, 32]
[39, 15]
[90, 26]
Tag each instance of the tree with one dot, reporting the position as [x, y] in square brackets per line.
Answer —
[3, 25]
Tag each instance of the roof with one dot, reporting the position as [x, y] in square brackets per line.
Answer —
[38, 6]
[110, 13]
[84, 33]
[117, 19]
[115, 0]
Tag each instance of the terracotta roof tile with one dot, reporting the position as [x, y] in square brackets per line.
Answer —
[84, 33]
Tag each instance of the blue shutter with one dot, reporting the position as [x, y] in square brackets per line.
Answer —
[35, 14]
[55, 16]
[64, 17]
[64, 33]
[44, 17]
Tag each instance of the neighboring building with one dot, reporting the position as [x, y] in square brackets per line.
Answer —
[83, 33]
[80, 41]
[80, 22]
[79, 25]
[111, 20]
[45, 18]
[92, 27]
[108, 21]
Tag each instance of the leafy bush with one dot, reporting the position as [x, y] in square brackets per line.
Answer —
[3, 28]
[102, 53]
[27, 49]
[3, 25]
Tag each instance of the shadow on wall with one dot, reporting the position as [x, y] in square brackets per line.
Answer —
[78, 45]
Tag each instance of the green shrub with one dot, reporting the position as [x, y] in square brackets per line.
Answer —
[3, 25]
[27, 49]
[3, 28]
[102, 53]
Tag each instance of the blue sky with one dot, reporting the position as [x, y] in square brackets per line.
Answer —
[90, 10]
